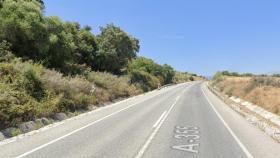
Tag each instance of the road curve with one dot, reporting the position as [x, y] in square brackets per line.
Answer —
[184, 120]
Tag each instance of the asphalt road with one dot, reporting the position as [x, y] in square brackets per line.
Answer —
[185, 120]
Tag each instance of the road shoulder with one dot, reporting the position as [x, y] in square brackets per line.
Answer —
[256, 141]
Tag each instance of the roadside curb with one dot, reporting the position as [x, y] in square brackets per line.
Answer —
[264, 120]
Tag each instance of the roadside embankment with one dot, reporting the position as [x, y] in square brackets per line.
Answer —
[257, 115]
[259, 90]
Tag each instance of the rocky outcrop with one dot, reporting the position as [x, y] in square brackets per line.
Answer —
[27, 126]
[60, 116]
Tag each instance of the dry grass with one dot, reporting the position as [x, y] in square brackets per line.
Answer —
[112, 87]
[56, 81]
[262, 91]
[268, 97]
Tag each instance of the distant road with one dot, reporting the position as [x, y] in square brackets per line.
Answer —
[179, 121]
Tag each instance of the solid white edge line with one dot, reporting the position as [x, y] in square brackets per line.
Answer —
[79, 129]
[21, 136]
[75, 131]
[158, 121]
[245, 150]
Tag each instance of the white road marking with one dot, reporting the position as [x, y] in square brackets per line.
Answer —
[245, 150]
[75, 131]
[79, 129]
[191, 140]
[21, 136]
[151, 137]
[186, 132]
[189, 148]
[158, 121]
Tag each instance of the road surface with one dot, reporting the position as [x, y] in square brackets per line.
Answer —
[179, 121]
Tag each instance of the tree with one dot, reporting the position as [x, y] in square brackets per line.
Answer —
[61, 46]
[144, 79]
[164, 73]
[115, 49]
[1, 3]
[168, 73]
[22, 25]
[86, 46]
[39, 1]
[144, 64]
[275, 75]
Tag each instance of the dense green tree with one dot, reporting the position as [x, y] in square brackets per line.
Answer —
[164, 73]
[144, 79]
[115, 49]
[168, 73]
[1, 3]
[39, 1]
[67, 46]
[22, 25]
[61, 46]
[86, 46]
[144, 64]
[45, 39]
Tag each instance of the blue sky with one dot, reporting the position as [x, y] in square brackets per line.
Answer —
[201, 36]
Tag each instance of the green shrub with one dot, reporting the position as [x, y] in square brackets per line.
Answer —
[5, 53]
[67, 105]
[83, 101]
[16, 106]
[15, 132]
[28, 91]
[9, 75]
[75, 69]
[102, 95]
[49, 105]
[145, 80]
[66, 85]
[191, 78]
[102, 79]
[114, 85]
[218, 77]
[181, 77]
[32, 84]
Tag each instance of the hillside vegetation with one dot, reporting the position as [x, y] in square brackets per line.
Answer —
[48, 65]
[262, 90]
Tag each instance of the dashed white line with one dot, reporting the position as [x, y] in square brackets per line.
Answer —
[79, 129]
[151, 137]
[158, 121]
[244, 149]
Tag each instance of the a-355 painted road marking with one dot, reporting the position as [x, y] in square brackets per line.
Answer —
[190, 138]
